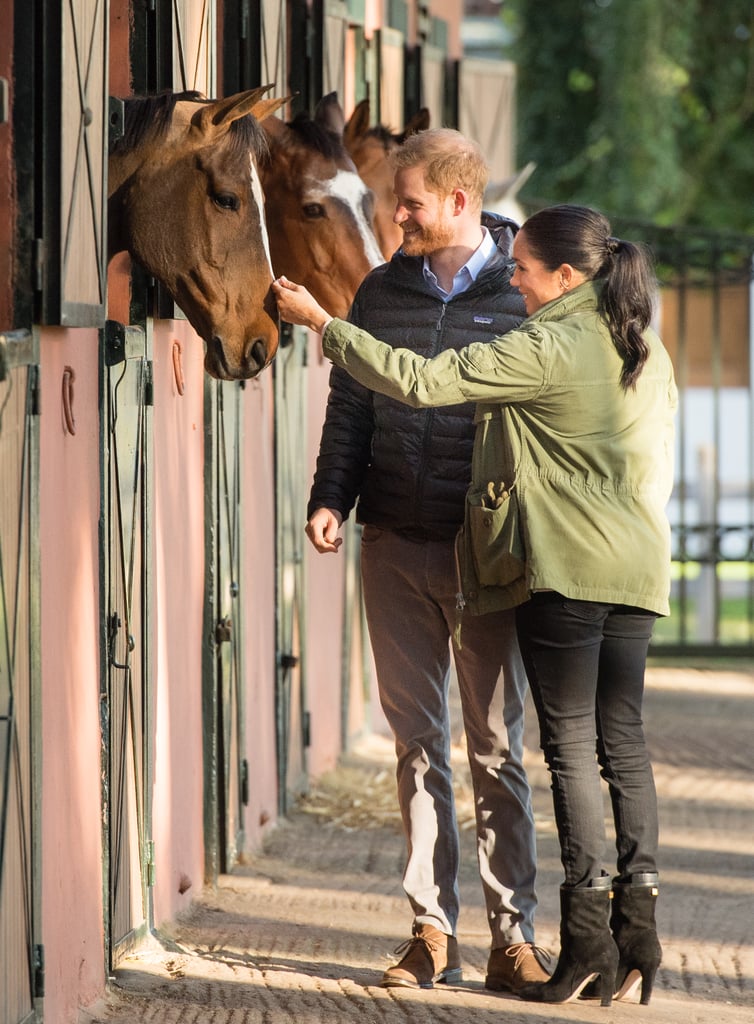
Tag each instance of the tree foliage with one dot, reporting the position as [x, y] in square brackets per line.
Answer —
[644, 108]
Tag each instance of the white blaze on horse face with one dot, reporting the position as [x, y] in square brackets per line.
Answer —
[350, 189]
[258, 196]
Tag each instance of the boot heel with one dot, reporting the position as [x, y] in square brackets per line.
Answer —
[647, 983]
[605, 985]
[631, 982]
[587, 949]
[635, 932]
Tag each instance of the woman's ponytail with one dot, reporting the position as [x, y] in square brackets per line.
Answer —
[626, 303]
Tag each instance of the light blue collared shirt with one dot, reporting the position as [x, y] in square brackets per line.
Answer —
[468, 272]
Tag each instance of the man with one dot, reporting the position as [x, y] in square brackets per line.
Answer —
[448, 285]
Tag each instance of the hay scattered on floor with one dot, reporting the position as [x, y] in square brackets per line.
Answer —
[360, 795]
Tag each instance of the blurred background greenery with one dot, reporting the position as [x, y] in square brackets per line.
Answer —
[644, 108]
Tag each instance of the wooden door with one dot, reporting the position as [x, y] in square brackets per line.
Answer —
[126, 403]
[390, 77]
[292, 718]
[194, 46]
[263, 61]
[334, 48]
[487, 111]
[233, 777]
[21, 965]
[72, 253]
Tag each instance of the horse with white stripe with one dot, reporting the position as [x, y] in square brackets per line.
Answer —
[185, 200]
[370, 146]
[319, 211]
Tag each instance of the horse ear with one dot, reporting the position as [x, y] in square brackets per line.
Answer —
[358, 123]
[221, 113]
[265, 108]
[329, 114]
[418, 123]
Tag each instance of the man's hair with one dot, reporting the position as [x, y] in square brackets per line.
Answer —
[449, 161]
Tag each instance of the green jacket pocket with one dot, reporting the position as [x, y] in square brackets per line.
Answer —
[494, 536]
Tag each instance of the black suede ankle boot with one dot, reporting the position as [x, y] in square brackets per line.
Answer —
[587, 949]
[632, 921]
[633, 924]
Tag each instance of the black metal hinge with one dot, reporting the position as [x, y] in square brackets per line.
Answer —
[38, 264]
[307, 728]
[148, 382]
[39, 971]
[150, 865]
[224, 630]
[35, 391]
[116, 120]
[114, 336]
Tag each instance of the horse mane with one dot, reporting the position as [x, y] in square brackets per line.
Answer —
[315, 136]
[388, 137]
[149, 117]
[382, 134]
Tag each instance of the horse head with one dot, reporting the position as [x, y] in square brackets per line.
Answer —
[185, 201]
[319, 211]
[370, 147]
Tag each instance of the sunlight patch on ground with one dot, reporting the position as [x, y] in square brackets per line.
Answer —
[716, 683]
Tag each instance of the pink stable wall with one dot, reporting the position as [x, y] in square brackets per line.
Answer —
[258, 605]
[178, 600]
[72, 912]
[324, 595]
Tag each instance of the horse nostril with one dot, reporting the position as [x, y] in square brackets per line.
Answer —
[256, 355]
[215, 361]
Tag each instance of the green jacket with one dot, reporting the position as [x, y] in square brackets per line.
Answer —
[591, 464]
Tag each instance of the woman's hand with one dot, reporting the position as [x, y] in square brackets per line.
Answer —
[297, 306]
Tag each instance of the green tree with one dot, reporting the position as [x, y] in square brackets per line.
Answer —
[644, 108]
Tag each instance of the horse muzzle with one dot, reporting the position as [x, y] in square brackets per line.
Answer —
[257, 353]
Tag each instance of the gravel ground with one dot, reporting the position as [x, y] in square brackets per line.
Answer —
[302, 932]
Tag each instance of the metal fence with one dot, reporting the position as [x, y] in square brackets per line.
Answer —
[706, 320]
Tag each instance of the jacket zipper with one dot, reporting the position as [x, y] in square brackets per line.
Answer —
[430, 417]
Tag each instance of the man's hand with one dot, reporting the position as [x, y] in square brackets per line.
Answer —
[322, 530]
[297, 306]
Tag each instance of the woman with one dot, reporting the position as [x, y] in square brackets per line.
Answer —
[575, 420]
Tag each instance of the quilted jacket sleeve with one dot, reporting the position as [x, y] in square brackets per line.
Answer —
[345, 445]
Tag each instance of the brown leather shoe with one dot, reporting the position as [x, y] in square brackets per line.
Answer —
[429, 956]
[511, 967]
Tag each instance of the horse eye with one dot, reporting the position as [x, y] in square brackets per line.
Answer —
[226, 200]
[314, 211]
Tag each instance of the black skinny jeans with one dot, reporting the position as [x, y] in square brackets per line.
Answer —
[586, 663]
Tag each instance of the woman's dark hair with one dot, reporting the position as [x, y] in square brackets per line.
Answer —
[581, 237]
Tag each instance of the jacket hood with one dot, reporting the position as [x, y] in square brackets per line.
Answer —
[502, 229]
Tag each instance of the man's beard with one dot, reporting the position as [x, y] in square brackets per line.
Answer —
[428, 240]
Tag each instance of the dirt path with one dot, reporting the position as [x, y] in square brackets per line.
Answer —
[303, 932]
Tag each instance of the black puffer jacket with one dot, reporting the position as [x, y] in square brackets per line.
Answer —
[410, 468]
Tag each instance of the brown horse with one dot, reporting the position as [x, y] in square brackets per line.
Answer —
[370, 148]
[186, 202]
[319, 211]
